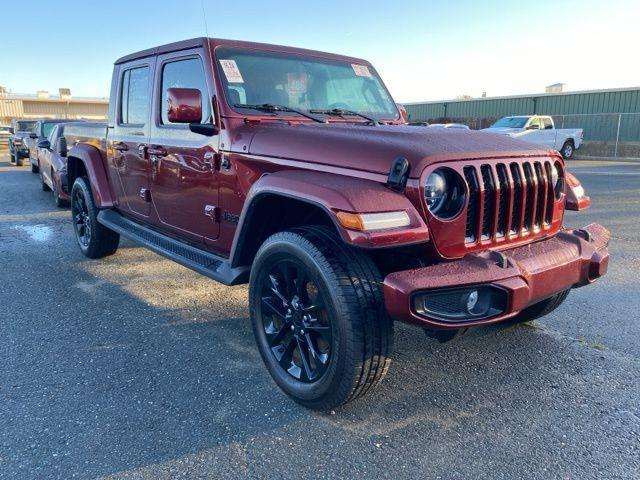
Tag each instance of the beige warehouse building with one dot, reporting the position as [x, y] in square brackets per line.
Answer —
[44, 105]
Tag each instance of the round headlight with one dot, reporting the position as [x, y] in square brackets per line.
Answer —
[444, 193]
[435, 190]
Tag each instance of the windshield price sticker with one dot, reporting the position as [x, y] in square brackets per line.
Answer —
[231, 71]
[361, 70]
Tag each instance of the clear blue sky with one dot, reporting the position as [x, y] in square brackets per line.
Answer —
[424, 50]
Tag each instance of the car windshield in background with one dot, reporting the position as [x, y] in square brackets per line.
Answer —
[46, 128]
[25, 126]
[303, 83]
[510, 122]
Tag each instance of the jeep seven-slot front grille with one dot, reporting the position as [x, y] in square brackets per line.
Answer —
[508, 199]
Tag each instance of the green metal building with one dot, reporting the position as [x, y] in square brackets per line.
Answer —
[609, 116]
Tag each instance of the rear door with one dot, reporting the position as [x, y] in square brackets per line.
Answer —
[184, 189]
[131, 136]
[548, 132]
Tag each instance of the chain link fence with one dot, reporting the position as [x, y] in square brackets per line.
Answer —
[607, 135]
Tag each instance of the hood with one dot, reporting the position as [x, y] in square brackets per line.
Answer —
[372, 149]
[502, 130]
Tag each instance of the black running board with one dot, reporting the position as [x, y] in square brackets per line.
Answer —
[206, 263]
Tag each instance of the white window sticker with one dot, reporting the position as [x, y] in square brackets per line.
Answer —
[361, 70]
[231, 71]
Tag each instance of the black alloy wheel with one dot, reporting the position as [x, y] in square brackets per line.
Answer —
[295, 319]
[81, 220]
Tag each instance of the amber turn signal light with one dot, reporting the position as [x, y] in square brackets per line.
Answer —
[367, 222]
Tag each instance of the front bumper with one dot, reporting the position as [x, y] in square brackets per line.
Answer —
[529, 274]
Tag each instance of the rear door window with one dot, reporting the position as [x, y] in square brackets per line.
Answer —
[134, 96]
[547, 123]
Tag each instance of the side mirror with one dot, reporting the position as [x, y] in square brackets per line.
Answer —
[533, 127]
[33, 135]
[61, 147]
[184, 105]
[44, 144]
[11, 130]
[403, 112]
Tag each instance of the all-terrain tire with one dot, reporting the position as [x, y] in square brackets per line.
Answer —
[100, 241]
[567, 150]
[542, 308]
[352, 288]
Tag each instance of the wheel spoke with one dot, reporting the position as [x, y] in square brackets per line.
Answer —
[301, 282]
[318, 305]
[286, 353]
[270, 304]
[275, 288]
[320, 357]
[304, 352]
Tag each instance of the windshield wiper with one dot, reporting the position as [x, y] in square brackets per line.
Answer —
[339, 112]
[269, 107]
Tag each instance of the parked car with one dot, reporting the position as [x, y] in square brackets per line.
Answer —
[540, 129]
[52, 155]
[448, 125]
[5, 133]
[17, 141]
[41, 131]
[293, 170]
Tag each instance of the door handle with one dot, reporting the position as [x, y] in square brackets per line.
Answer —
[120, 146]
[157, 150]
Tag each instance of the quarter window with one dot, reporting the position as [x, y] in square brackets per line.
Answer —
[134, 96]
[187, 73]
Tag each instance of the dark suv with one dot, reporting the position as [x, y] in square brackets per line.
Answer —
[18, 148]
[41, 131]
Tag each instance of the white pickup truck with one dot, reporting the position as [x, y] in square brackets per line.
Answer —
[539, 129]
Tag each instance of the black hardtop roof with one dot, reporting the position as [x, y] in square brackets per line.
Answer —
[214, 42]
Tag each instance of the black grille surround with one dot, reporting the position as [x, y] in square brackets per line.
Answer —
[508, 199]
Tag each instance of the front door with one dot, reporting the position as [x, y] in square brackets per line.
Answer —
[131, 136]
[184, 190]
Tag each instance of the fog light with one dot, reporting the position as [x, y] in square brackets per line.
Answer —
[472, 299]
[461, 304]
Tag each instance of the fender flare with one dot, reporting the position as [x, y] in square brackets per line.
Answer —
[94, 164]
[333, 193]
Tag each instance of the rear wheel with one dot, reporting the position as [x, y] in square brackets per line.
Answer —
[45, 187]
[94, 239]
[12, 157]
[541, 309]
[34, 167]
[318, 317]
[18, 161]
[567, 150]
[60, 202]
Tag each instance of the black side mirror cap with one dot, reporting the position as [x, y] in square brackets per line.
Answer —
[44, 144]
[206, 129]
[61, 147]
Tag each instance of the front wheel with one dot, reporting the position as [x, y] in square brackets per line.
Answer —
[567, 150]
[18, 161]
[318, 317]
[94, 239]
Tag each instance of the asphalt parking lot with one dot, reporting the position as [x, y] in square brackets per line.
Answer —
[134, 367]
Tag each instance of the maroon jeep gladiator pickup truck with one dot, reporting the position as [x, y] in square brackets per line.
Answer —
[294, 171]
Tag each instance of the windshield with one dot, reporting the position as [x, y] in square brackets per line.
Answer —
[46, 128]
[511, 122]
[25, 126]
[302, 82]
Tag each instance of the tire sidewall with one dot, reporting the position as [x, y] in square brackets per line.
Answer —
[81, 185]
[567, 146]
[269, 254]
